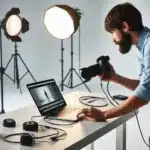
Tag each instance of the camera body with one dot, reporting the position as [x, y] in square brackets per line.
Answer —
[101, 67]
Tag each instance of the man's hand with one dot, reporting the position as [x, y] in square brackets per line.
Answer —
[91, 113]
[108, 76]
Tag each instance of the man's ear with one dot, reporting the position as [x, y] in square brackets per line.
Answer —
[125, 26]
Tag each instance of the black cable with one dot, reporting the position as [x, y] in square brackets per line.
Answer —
[44, 136]
[110, 94]
[68, 122]
[138, 122]
[94, 98]
[60, 135]
[11, 135]
[106, 94]
[35, 117]
[65, 133]
[34, 137]
[141, 129]
[54, 137]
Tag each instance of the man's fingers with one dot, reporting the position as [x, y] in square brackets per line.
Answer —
[93, 109]
[83, 112]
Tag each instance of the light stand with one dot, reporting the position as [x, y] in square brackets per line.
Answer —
[12, 24]
[2, 73]
[70, 72]
[17, 79]
[62, 21]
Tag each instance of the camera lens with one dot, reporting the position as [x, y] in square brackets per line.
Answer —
[91, 71]
[96, 69]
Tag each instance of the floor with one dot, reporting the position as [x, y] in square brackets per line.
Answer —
[14, 100]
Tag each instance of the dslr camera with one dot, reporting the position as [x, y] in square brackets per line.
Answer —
[101, 67]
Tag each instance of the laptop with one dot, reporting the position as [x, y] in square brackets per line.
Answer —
[49, 100]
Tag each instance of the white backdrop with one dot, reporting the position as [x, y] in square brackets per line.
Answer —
[41, 52]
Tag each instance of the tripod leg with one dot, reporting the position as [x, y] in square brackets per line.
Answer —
[69, 81]
[17, 72]
[20, 89]
[64, 79]
[8, 77]
[9, 61]
[71, 77]
[7, 67]
[27, 68]
[82, 80]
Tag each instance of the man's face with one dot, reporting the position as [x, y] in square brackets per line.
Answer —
[124, 40]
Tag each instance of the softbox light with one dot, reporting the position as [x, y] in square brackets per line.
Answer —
[13, 24]
[62, 21]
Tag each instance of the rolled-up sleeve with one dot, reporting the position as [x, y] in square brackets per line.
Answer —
[143, 89]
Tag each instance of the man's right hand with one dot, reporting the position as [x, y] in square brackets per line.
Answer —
[109, 76]
[131, 84]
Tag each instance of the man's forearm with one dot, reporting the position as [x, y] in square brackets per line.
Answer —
[127, 106]
[128, 83]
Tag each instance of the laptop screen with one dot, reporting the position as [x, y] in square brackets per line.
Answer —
[46, 96]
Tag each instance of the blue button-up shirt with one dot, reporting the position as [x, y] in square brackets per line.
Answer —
[143, 89]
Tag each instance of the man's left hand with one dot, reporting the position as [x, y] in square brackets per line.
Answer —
[92, 113]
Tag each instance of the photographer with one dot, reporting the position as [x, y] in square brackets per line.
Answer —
[124, 22]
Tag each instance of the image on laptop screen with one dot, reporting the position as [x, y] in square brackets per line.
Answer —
[46, 95]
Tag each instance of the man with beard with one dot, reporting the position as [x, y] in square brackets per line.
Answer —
[124, 22]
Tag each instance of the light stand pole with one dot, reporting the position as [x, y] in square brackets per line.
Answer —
[62, 65]
[70, 72]
[2, 73]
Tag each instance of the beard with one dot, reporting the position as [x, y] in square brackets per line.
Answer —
[125, 44]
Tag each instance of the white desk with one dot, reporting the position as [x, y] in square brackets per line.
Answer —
[79, 136]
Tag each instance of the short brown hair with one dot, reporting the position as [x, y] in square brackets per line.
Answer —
[124, 12]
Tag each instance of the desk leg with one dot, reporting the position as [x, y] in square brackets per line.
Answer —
[92, 146]
[121, 137]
